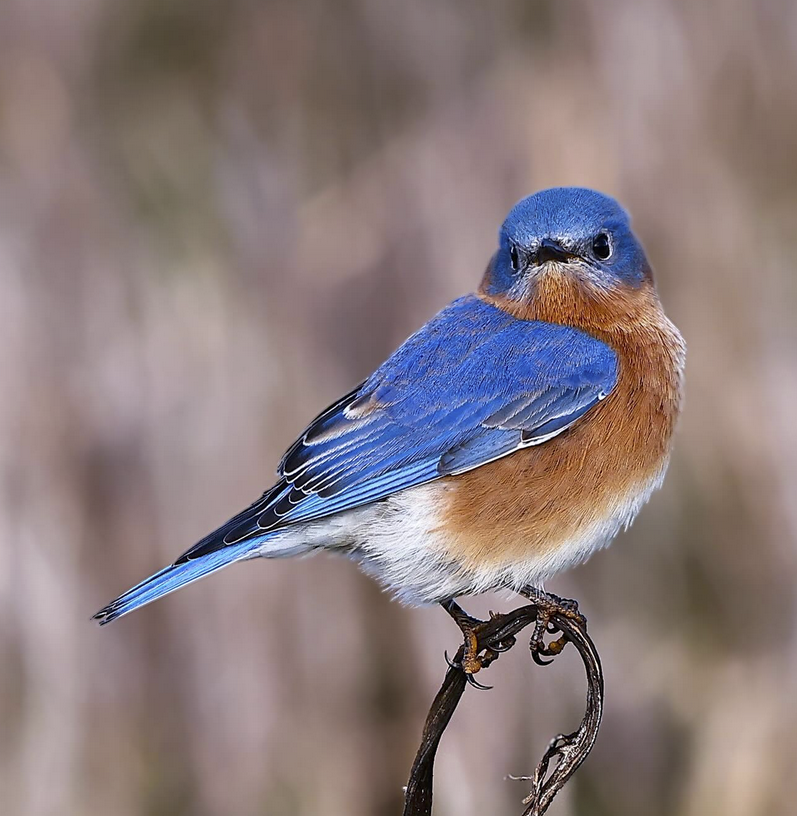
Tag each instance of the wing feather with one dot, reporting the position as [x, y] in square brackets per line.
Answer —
[473, 385]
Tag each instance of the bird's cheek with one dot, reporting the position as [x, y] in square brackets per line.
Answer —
[524, 286]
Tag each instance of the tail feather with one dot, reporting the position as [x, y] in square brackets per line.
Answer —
[172, 578]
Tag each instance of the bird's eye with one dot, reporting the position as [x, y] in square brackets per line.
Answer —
[602, 246]
[514, 257]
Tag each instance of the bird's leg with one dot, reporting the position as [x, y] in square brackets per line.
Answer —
[468, 626]
[471, 627]
[549, 606]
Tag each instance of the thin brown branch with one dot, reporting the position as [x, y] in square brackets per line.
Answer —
[567, 750]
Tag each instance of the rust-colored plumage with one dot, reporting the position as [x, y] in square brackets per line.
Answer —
[541, 498]
[495, 447]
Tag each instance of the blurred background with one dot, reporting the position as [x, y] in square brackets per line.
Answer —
[215, 218]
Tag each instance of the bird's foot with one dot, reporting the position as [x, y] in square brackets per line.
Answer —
[549, 608]
[476, 655]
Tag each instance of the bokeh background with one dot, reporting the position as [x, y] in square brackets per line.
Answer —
[215, 217]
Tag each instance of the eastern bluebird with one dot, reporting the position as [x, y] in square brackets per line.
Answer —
[508, 439]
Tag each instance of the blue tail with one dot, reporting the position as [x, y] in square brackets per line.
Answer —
[174, 577]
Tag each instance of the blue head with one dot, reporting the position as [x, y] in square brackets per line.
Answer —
[569, 230]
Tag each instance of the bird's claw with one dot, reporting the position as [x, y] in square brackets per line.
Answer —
[565, 607]
[549, 607]
[475, 683]
[475, 666]
[475, 656]
[537, 645]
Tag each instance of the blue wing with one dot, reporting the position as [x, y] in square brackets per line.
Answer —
[472, 385]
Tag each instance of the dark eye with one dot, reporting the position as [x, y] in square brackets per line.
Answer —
[602, 246]
[514, 257]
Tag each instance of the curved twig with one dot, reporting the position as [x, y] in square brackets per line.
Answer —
[569, 750]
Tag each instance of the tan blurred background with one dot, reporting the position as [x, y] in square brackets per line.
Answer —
[215, 217]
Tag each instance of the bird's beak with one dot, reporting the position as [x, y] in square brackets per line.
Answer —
[550, 250]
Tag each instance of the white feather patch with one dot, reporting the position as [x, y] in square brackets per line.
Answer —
[401, 541]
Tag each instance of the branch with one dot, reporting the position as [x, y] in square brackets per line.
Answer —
[569, 750]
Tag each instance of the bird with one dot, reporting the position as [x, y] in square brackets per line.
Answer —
[510, 438]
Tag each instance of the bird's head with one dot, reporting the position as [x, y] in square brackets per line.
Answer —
[571, 234]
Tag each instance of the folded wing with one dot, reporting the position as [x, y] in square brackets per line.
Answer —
[473, 385]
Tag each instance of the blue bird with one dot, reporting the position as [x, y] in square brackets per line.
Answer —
[508, 439]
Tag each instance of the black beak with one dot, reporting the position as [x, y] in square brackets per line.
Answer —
[549, 250]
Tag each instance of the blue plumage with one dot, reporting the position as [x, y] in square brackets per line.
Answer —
[172, 578]
[572, 217]
[472, 385]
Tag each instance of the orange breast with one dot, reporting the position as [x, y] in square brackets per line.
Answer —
[536, 500]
